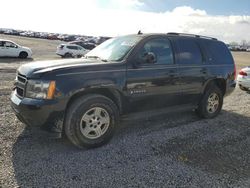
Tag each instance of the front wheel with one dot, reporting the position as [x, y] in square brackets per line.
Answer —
[211, 102]
[23, 55]
[91, 121]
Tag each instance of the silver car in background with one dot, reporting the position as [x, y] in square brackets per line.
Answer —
[243, 79]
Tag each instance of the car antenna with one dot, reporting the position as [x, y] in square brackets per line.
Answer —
[139, 32]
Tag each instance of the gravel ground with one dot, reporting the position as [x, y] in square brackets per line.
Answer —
[166, 150]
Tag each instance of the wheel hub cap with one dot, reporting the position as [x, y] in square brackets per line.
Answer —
[94, 123]
[212, 103]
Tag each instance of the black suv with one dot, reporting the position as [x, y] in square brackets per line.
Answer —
[84, 98]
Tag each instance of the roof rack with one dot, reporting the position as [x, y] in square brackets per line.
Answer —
[191, 35]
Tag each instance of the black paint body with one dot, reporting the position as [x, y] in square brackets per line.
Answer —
[132, 86]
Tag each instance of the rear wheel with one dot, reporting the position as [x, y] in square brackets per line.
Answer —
[91, 121]
[23, 55]
[68, 55]
[211, 102]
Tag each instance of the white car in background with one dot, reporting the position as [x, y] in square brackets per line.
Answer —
[10, 49]
[243, 79]
[71, 50]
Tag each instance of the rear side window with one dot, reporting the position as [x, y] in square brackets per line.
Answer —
[79, 48]
[72, 47]
[217, 52]
[189, 52]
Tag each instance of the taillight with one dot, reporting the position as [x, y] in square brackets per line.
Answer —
[242, 73]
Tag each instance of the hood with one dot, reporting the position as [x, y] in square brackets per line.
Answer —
[39, 67]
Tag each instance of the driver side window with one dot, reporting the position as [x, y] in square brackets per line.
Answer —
[161, 50]
[10, 45]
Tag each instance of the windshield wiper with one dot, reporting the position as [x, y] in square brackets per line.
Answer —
[96, 57]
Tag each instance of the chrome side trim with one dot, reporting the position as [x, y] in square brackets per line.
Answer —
[91, 72]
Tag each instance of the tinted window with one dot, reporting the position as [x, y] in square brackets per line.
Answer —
[1, 43]
[161, 48]
[217, 52]
[189, 52]
[72, 47]
[80, 48]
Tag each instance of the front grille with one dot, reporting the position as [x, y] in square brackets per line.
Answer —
[20, 85]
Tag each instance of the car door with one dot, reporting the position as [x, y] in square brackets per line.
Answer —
[11, 49]
[153, 85]
[5, 49]
[191, 67]
[72, 50]
[81, 50]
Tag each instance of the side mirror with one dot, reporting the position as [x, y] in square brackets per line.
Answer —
[150, 58]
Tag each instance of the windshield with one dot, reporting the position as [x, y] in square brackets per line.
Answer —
[114, 49]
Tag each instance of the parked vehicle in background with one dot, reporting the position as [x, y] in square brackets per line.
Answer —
[71, 50]
[68, 38]
[12, 32]
[100, 40]
[248, 49]
[52, 36]
[237, 48]
[86, 45]
[10, 49]
[243, 79]
[2, 30]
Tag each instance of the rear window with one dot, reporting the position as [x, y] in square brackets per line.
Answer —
[217, 52]
[189, 51]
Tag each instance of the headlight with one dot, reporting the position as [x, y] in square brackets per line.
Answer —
[40, 89]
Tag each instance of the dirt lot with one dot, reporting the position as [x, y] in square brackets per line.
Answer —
[167, 150]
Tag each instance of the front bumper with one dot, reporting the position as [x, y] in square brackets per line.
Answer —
[46, 114]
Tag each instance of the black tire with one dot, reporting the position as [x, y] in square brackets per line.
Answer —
[67, 55]
[203, 109]
[79, 108]
[23, 55]
[244, 88]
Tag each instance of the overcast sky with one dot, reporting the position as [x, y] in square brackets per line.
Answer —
[227, 20]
